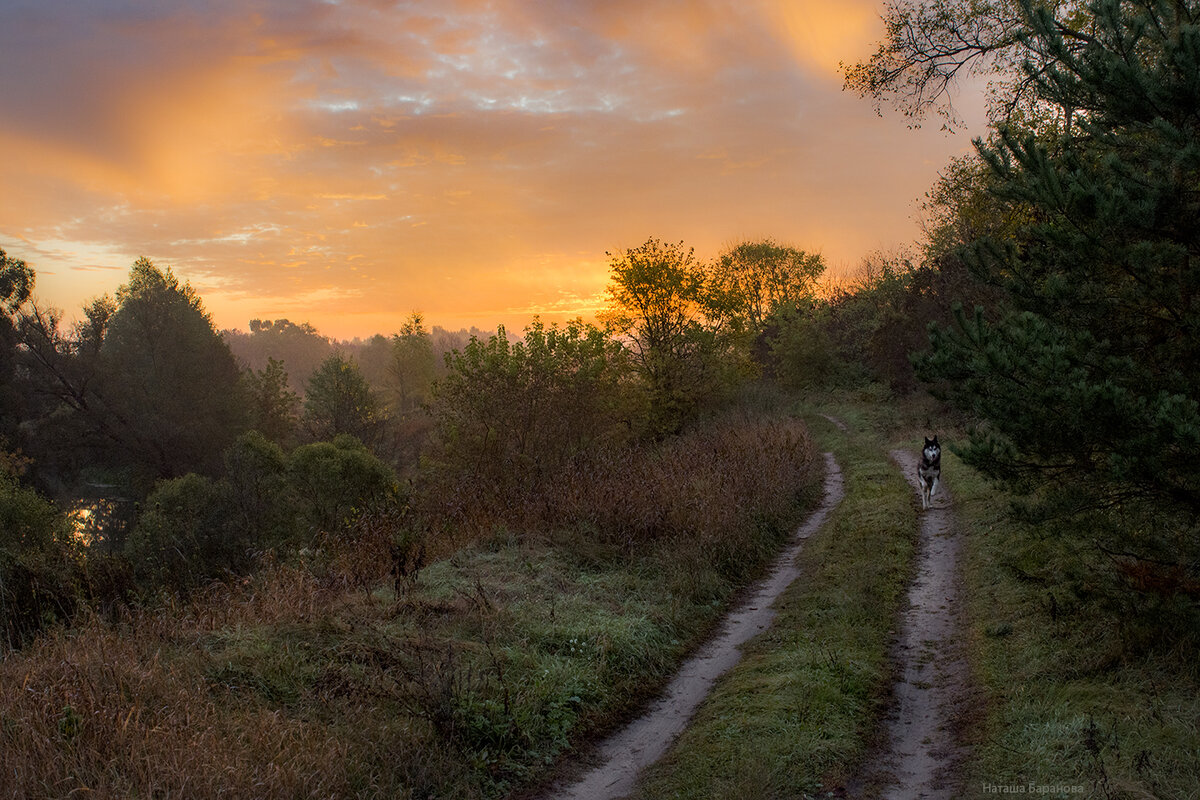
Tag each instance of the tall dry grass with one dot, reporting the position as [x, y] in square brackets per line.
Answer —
[98, 710]
[703, 485]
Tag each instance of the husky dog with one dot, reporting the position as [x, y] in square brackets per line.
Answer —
[929, 471]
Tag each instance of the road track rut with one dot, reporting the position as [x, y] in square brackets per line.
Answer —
[642, 742]
[922, 754]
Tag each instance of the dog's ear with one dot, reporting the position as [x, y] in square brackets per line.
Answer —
[935, 441]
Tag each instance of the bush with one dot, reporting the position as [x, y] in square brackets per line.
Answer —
[708, 488]
[512, 412]
[264, 501]
[188, 534]
[40, 564]
[332, 480]
[799, 352]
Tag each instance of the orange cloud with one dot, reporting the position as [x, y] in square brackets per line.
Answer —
[348, 162]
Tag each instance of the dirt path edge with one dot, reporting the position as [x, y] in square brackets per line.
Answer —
[921, 752]
[642, 742]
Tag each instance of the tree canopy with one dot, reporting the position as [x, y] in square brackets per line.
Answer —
[167, 382]
[665, 306]
[338, 400]
[929, 46]
[755, 279]
[1086, 375]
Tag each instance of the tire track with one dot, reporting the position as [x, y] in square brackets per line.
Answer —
[922, 754]
[624, 754]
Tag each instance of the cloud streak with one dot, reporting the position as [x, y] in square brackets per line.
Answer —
[352, 160]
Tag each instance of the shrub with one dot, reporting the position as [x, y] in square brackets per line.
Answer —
[264, 501]
[333, 479]
[509, 413]
[39, 563]
[187, 534]
[707, 487]
[797, 348]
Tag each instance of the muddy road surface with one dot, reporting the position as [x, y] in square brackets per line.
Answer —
[920, 754]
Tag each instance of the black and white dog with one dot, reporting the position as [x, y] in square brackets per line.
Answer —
[929, 471]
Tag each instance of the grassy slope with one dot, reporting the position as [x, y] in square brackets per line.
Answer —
[286, 686]
[797, 713]
[1069, 703]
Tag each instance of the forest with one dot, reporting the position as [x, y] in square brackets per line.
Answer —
[431, 563]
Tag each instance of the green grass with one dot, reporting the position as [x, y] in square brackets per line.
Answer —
[503, 654]
[1069, 699]
[796, 714]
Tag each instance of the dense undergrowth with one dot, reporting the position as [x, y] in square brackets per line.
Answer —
[327, 676]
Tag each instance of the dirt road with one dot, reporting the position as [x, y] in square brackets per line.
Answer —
[921, 753]
[646, 739]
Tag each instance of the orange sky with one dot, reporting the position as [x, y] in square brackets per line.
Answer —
[348, 161]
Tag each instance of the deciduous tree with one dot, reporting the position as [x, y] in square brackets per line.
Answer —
[412, 367]
[665, 307]
[755, 279]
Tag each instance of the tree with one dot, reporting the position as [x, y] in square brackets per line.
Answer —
[339, 401]
[929, 45]
[188, 534]
[274, 408]
[664, 307]
[758, 278]
[413, 365]
[1085, 378]
[167, 385]
[300, 346]
[16, 285]
[264, 502]
[374, 358]
[16, 282]
[143, 387]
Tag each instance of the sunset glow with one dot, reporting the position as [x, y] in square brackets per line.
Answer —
[346, 162]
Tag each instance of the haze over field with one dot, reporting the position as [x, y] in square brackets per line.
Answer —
[346, 162]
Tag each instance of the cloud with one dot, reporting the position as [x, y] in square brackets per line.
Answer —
[364, 158]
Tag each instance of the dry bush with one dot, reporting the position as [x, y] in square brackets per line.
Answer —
[707, 486]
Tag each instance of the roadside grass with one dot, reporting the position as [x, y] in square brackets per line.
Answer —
[471, 683]
[1078, 687]
[1075, 696]
[794, 717]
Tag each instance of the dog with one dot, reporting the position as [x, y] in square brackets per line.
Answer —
[929, 471]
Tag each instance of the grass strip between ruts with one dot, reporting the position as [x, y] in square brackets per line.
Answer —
[797, 713]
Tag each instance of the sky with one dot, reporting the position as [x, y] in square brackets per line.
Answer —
[347, 162]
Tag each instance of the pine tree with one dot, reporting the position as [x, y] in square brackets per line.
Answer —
[1088, 379]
